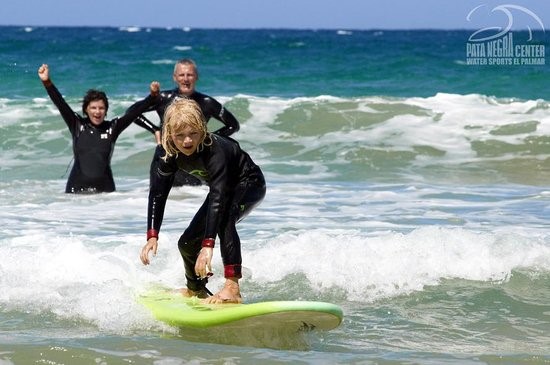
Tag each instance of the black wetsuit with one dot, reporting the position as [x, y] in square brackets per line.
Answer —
[93, 145]
[146, 124]
[210, 108]
[236, 184]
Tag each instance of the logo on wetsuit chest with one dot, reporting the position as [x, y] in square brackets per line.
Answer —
[199, 173]
[107, 133]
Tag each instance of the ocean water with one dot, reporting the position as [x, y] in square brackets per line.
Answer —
[404, 185]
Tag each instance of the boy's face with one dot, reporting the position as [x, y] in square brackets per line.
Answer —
[187, 140]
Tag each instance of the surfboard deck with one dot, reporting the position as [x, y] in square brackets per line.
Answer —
[288, 316]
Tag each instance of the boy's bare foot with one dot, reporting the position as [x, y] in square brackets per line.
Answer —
[219, 298]
[230, 293]
[188, 293]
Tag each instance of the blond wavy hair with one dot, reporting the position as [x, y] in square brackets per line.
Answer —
[182, 113]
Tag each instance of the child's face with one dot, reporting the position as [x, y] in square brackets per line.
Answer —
[96, 111]
[187, 140]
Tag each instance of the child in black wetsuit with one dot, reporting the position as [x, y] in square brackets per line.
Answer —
[236, 185]
[93, 137]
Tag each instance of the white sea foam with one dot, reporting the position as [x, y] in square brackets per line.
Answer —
[98, 278]
[392, 264]
[163, 61]
[183, 48]
[131, 29]
[470, 137]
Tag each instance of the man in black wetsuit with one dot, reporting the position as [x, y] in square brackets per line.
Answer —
[236, 186]
[186, 76]
[93, 137]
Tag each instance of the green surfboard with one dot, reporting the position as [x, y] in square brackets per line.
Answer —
[288, 316]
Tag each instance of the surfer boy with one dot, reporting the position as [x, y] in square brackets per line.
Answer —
[186, 75]
[236, 186]
[93, 137]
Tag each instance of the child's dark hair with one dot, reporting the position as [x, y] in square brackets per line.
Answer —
[93, 95]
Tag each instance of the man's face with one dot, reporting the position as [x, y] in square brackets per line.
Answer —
[186, 78]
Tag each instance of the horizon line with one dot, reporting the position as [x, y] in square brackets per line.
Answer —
[138, 28]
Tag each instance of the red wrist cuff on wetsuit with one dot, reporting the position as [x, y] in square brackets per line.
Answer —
[208, 242]
[152, 233]
[47, 83]
[232, 271]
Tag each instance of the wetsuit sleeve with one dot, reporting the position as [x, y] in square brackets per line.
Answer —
[133, 112]
[159, 106]
[231, 124]
[213, 108]
[69, 116]
[161, 184]
[146, 124]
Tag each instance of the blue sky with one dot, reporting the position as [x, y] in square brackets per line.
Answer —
[309, 14]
